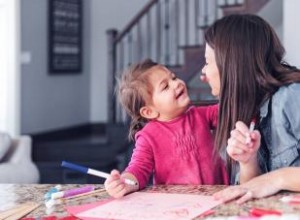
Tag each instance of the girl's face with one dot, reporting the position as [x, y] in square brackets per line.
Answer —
[211, 71]
[169, 95]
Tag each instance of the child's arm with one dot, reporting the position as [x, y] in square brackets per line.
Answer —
[243, 152]
[116, 187]
[139, 170]
[141, 164]
[212, 112]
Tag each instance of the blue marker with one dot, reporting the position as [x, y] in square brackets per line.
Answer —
[92, 171]
[55, 189]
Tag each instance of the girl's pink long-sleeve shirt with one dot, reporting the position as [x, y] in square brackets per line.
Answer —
[179, 151]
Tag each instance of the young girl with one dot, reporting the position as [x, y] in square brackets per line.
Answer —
[172, 140]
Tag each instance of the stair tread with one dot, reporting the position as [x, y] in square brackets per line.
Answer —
[76, 141]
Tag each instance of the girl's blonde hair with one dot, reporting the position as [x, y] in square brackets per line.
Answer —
[134, 90]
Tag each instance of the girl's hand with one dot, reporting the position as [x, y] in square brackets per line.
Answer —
[243, 144]
[114, 185]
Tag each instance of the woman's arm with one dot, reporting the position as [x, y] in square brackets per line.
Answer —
[249, 170]
[289, 178]
[282, 179]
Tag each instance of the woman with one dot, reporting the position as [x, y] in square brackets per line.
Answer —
[245, 69]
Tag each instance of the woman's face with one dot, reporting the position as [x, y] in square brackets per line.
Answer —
[210, 71]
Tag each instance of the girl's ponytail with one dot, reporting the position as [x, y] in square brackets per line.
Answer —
[133, 91]
[136, 124]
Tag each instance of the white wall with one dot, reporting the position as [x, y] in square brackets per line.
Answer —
[106, 14]
[9, 67]
[272, 12]
[291, 31]
[50, 102]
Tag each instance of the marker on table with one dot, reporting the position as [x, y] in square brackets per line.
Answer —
[54, 189]
[258, 212]
[72, 192]
[92, 171]
[251, 128]
[52, 202]
[291, 199]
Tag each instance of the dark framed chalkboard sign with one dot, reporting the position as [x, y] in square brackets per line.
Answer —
[65, 36]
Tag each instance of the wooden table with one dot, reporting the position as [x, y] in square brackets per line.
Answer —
[14, 194]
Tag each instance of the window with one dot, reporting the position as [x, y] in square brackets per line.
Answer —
[9, 67]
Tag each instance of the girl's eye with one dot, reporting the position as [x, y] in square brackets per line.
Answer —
[166, 87]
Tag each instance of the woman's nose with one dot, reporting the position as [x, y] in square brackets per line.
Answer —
[203, 70]
[203, 77]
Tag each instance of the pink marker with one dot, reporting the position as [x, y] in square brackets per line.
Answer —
[72, 192]
[252, 125]
[291, 199]
[251, 128]
[258, 212]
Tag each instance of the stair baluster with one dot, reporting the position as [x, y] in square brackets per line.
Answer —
[171, 33]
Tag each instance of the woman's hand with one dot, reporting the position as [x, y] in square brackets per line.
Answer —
[243, 144]
[258, 187]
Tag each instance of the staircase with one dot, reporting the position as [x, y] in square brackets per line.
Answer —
[169, 32]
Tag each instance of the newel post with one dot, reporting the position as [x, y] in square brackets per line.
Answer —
[111, 81]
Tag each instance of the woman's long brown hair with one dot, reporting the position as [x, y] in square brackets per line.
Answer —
[249, 57]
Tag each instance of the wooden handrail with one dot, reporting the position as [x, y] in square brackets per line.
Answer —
[135, 20]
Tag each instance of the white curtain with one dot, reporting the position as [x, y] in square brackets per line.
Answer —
[9, 67]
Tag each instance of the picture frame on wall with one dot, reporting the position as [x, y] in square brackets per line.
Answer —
[65, 36]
